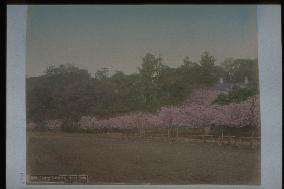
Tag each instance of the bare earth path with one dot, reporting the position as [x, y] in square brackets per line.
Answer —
[139, 161]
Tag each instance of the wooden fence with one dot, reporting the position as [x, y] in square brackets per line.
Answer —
[175, 135]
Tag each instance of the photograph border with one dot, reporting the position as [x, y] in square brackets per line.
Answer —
[270, 71]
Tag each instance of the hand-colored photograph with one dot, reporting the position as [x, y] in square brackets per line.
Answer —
[142, 94]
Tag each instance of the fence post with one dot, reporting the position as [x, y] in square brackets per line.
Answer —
[168, 133]
[222, 137]
[177, 132]
[251, 143]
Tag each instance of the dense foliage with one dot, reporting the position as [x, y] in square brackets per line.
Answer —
[236, 70]
[236, 95]
[68, 93]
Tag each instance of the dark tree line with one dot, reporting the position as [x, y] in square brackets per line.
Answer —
[68, 92]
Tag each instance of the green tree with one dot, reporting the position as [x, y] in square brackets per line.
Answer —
[149, 72]
[208, 73]
[236, 95]
[67, 92]
[102, 74]
[239, 69]
[207, 61]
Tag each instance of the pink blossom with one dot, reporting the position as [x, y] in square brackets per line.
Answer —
[192, 113]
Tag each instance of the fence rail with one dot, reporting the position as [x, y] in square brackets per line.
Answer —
[233, 140]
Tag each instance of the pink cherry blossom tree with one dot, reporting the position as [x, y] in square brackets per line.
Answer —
[196, 112]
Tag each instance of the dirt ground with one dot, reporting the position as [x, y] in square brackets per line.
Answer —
[119, 160]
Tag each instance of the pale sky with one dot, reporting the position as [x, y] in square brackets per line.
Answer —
[118, 36]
